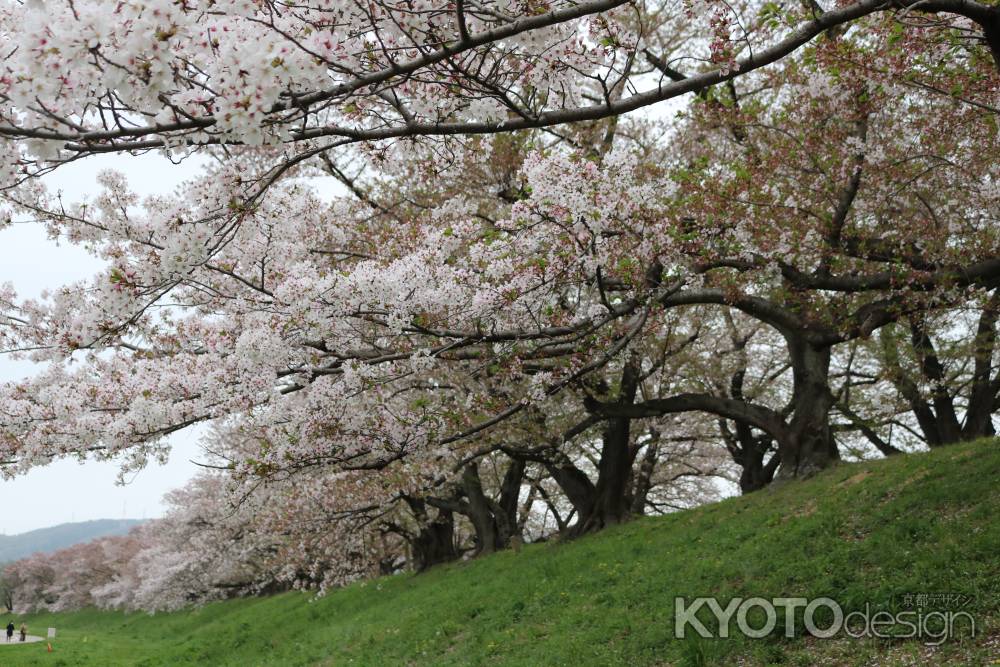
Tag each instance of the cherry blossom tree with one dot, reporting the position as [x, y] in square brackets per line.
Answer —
[512, 275]
[951, 386]
[852, 229]
[67, 578]
[317, 75]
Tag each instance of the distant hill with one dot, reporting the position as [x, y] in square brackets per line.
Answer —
[14, 547]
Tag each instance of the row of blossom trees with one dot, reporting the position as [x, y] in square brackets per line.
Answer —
[222, 539]
[440, 291]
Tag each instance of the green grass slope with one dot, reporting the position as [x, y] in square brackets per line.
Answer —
[859, 533]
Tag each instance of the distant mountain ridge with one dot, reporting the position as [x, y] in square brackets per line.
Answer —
[15, 547]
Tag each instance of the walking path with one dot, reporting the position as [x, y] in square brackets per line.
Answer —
[16, 640]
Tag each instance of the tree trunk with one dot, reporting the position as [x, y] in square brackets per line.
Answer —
[755, 473]
[946, 419]
[479, 512]
[808, 447]
[983, 395]
[575, 485]
[610, 504]
[505, 509]
[643, 479]
[748, 450]
[434, 542]
[561, 523]
[495, 522]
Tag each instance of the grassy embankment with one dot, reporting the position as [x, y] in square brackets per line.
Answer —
[868, 532]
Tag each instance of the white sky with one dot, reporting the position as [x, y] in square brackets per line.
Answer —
[67, 490]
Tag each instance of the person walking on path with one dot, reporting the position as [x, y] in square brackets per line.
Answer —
[10, 630]
[24, 632]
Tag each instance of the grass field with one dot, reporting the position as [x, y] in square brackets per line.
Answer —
[859, 533]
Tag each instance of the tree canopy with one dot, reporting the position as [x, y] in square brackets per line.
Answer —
[433, 241]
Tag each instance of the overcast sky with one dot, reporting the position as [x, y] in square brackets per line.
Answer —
[67, 490]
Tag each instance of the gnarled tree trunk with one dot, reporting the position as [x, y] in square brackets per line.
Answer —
[609, 503]
[495, 522]
[434, 541]
[936, 415]
[808, 445]
[748, 451]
